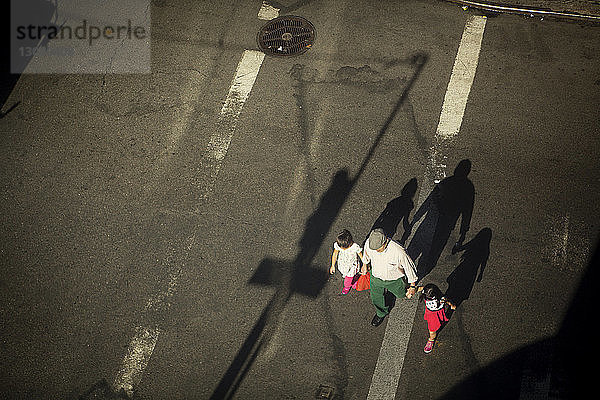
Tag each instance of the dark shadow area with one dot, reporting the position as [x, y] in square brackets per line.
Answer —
[318, 224]
[398, 210]
[8, 111]
[450, 199]
[7, 80]
[474, 258]
[463, 278]
[560, 367]
[390, 299]
[22, 28]
[298, 276]
[307, 281]
[461, 281]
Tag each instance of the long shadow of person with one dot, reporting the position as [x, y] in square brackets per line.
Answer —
[396, 211]
[475, 257]
[289, 277]
[321, 220]
[450, 199]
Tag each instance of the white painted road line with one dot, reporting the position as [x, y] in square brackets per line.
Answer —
[267, 12]
[245, 76]
[393, 350]
[455, 101]
[461, 80]
[135, 361]
[399, 325]
[144, 341]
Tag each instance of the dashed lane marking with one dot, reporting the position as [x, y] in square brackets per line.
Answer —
[144, 341]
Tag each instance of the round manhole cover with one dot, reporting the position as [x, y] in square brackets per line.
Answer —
[286, 36]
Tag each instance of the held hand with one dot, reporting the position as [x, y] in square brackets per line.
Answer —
[406, 234]
[458, 246]
[363, 270]
[450, 304]
[411, 292]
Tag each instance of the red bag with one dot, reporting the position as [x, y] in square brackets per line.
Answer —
[364, 282]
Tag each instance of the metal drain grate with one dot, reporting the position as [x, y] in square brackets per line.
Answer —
[286, 36]
[324, 392]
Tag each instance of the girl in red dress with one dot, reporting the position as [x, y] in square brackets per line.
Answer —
[435, 311]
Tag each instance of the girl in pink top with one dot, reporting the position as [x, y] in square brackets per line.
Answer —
[346, 254]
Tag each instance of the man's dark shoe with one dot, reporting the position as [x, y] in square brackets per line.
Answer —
[377, 320]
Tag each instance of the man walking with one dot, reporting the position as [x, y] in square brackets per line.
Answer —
[389, 265]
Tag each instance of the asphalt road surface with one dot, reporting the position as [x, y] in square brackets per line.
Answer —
[169, 234]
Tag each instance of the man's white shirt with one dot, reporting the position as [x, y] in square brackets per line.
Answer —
[391, 264]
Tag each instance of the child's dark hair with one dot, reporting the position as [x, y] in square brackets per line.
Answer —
[344, 239]
[431, 292]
